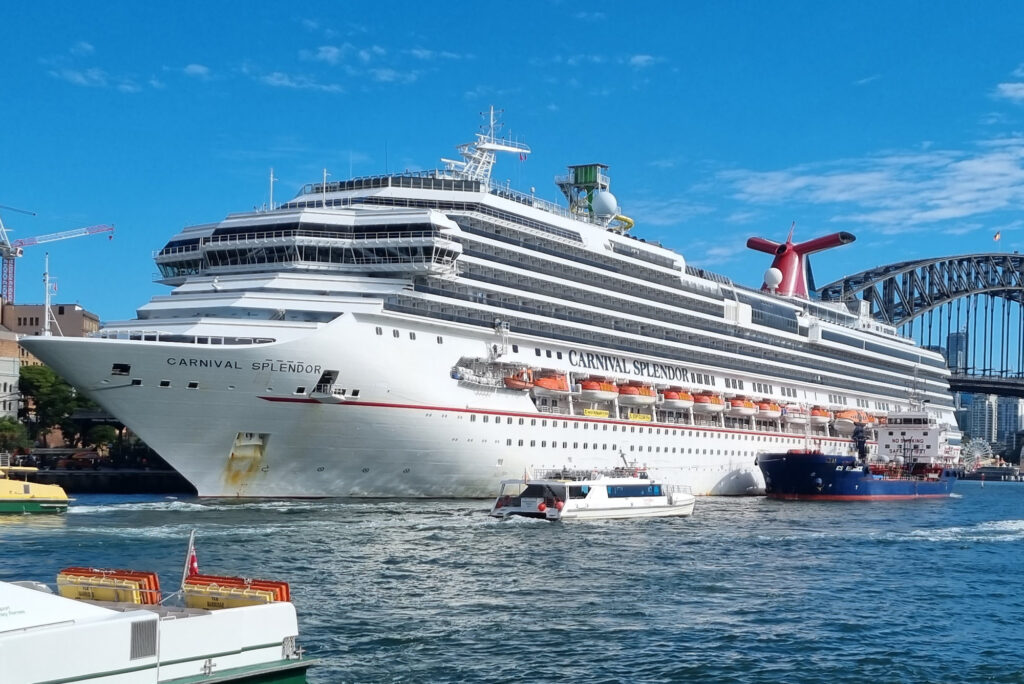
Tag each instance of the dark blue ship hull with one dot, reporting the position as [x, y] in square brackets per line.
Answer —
[813, 475]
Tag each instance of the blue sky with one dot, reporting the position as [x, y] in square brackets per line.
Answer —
[902, 123]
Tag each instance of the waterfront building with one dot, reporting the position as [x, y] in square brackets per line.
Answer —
[1009, 419]
[983, 421]
[956, 351]
[68, 320]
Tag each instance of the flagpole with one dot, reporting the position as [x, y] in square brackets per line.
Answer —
[185, 571]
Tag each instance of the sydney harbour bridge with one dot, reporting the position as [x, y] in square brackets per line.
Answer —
[970, 306]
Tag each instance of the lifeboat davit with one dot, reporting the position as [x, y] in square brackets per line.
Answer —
[820, 416]
[595, 389]
[740, 407]
[635, 394]
[706, 402]
[519, 380]
[768, 409]
[676, 398]
[550, 385]
[795, 415]
[847, 420]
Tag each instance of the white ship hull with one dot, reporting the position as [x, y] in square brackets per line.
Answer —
[411, 432]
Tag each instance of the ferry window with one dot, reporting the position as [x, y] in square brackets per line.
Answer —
[548, 353]
[412, 336]
[522, 421]
[508, 442]
[543, 423]
[120, 369]
[472, 418]
[515, 348]
[440, 340]
[355, 393]
[520, 442]
[586, 426]
[544, 442]
[379, 330]
[165, 383]
[584, 445]
[533, 421]
[193, 385]
[509, 420]
[395, 333]
[485, 418]
[565, 445]
[613, 447]
[536, 351]
[533, 443]
[137, 382]
[575, 426]
[300, 390]
[558, 355]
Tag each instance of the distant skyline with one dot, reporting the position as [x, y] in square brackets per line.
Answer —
[902, 123]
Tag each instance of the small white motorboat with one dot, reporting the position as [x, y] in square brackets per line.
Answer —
[571, 494]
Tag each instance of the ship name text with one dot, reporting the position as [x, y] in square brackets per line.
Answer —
[617, 364]
[267, 365]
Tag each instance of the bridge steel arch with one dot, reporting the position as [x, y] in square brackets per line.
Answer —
[899, 293]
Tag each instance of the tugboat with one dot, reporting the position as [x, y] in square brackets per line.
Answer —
[915, 462]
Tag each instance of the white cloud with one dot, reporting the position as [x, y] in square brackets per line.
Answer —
[82, 48]
[279, 79]
[367, 54]
[590, 16]
[867, 79]
[1019, 71]
[393, 76]
[1010, 91]
[89, 78]
[641, 61]
[197, 71]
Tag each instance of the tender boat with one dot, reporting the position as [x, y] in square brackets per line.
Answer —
[676, 398]
[598, 389]
[18, 495]
[114, 626]
[550, 385]
[636, 394]
[708, 402]
[521, 379]
[795, 415]
[569, 494]
[915, 461]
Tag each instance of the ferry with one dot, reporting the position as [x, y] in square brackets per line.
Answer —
[916, 462]
[115, 626]
[18, 495]
[430, 333]
[571, 494]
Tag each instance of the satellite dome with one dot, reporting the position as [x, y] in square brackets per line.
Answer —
[604, 204]
[772, 278]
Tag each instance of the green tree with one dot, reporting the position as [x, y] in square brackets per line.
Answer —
[100, 435]
[51, 400]
[13, 435]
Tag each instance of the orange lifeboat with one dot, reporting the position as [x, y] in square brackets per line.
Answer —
[820, 416]
[708, 402]
[550, 385]
[768, 409]
[846, 421]
[521, 379]
[598, 389]
[676, 398]
[740, 407]
[636, 394]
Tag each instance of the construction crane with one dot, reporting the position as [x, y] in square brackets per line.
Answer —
[11, 250]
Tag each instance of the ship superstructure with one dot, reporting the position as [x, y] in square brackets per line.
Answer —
[431, 333]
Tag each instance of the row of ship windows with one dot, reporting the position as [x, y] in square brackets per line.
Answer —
[615, 428]
[412, 336]
[635, 448]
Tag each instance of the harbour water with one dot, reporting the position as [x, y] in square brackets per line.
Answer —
[747, 590]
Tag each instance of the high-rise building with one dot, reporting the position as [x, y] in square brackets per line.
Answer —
[956, 351]
[1010, 418]
[983, 420]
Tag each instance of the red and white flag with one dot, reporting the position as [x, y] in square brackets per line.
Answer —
[191, 559]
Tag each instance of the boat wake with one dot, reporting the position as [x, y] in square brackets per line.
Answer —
[995, 531]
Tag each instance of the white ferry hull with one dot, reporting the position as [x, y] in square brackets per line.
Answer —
[412, 432]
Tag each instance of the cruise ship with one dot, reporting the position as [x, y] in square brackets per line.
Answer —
[431, 333]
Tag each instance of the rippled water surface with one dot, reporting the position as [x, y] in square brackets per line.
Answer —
[747, 590]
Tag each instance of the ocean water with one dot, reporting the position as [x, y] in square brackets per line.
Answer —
[747, 590]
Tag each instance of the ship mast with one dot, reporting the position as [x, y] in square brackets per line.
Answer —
[478, 157]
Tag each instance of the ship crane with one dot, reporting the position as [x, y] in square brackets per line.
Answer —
[11, 250]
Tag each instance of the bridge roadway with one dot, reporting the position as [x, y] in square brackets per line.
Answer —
[1012, 386]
